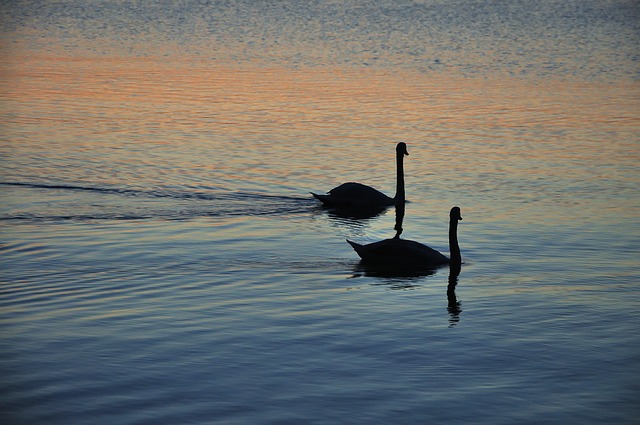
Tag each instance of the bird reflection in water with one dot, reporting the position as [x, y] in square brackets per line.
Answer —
[362, 213]
[453, 305]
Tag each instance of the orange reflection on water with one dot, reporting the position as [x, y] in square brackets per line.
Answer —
[297, 123]
[372, 101]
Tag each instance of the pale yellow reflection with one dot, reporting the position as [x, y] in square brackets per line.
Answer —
[297, 115]
[319, 98]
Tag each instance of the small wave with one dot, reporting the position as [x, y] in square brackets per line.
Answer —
[73, 217]
[154, 193]
[114, 190]
[70, 187]
[151, 204]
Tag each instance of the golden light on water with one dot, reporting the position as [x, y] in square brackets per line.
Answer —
[319, 96]
[278, 116]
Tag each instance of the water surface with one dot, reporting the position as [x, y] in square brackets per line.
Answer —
[164, 262]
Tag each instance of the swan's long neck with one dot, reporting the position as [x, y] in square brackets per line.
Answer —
[454, 248]
[400, 196]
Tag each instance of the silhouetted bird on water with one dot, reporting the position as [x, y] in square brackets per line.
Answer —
[403, 253]
[360, 195]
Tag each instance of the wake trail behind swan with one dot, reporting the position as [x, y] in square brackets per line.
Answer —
[56, 202]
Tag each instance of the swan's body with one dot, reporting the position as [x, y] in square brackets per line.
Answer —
[403, 252]
[354, 195]
[359, 195]
[399, 252]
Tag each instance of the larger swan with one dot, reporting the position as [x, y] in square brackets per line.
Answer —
[398, 252]
[359, 195]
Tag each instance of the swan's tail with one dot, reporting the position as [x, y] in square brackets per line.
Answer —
[356, 246]
[322, 198]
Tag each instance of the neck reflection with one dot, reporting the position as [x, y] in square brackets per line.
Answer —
[453, 305]
[400, 207]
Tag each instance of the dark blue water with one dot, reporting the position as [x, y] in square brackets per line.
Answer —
[162, 260]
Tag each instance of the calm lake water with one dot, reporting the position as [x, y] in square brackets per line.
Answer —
[164, 263]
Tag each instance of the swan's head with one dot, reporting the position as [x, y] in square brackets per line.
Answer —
[455, 214]
[401, 149]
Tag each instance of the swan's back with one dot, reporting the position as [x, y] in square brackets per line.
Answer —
[398, 251]
[354, 194]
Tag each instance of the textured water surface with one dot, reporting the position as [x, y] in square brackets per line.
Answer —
[162, 260]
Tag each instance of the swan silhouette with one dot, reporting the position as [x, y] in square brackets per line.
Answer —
[398, 252]
[359, 195]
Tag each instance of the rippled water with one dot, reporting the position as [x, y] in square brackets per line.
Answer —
[164, 262]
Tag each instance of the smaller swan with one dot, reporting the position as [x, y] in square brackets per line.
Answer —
[405, 253]
[359, 195]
